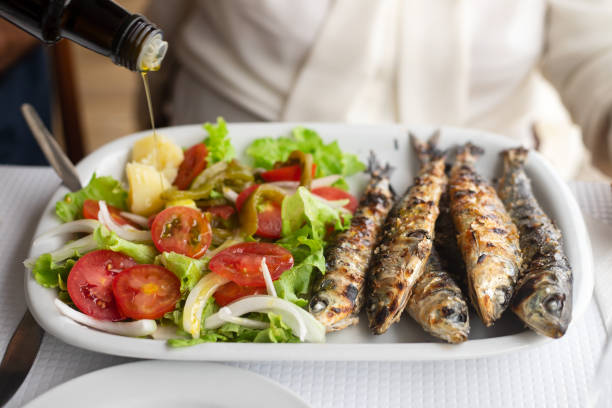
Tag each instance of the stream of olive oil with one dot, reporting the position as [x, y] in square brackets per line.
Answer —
[145, 81]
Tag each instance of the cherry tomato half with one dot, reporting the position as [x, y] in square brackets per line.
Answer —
[288, 173]
[146, 291]
[184, 230]
[223, 211]
[193, 163]
[90, 283]
[229, 292]
[269, 221]
[333, 193]
[241, 263]
[92, 207]
[244, 194]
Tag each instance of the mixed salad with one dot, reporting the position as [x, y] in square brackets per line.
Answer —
[200, 247]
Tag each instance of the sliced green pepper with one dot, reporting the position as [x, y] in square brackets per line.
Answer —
[248, 213]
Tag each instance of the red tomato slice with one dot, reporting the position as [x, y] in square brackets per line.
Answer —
[146, 291]
[229, 292]
[90, 283]
[244, 194]
[333, 193]
[241, 263]
[289, 173]
[184, 230]
[193, 163]
[223, 211]
[92, 207]
[270, 222]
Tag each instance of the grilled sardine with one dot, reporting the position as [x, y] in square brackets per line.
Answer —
[438, 305]
[338, 295]
[486, 236]
[543, 294]
[399, 260]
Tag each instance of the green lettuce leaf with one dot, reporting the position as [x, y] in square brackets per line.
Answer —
[188, 270]
[142, 253]
[99, 188]
[278, 332]
[329, 158]
[218, 143]
[49, 274]
[305, 223]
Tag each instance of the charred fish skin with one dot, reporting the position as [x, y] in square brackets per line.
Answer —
[438, 304]
[486, 236]
[543, 294]
[399, 260]
[338, 295]
[445, 243]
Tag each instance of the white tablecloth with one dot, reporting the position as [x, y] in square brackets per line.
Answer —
[556, 374]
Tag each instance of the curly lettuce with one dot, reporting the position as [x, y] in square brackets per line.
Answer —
[99, 188]
[218, 143]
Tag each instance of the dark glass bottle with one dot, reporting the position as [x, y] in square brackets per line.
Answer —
[100, 25]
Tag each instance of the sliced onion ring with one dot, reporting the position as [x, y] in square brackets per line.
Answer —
[82, 245]
[86, 225]
[126, 232]
[136, 328]
[226, 314]
[268, 278]
[302, 323]
[197, 299]
[138, 219]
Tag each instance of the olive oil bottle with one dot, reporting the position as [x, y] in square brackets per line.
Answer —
[103, 26]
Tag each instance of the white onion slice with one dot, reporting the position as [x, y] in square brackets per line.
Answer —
[138, 219]
[335, 204]
[325, 181]
[123, 231]
[226, 244]
[285, 184]
[268, 278]
[302, 323]
[226, 314]
[136, 328]
[86, 225]
[230, 194]
[199, 295]
[82, 245]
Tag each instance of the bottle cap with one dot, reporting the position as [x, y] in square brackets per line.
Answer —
[152, 53]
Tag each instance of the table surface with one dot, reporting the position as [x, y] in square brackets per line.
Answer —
[556, 374]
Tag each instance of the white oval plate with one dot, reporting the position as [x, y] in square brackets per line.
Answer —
[405, 340]
[160, 384]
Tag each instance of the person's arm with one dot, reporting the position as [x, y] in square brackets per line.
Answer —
[14, 43]
[578, 61]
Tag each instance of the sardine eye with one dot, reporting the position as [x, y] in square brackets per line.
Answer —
[317, 305]
[554, 304]
[461, 317]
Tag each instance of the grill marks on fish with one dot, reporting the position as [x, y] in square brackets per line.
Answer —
[399, 260]
[486, 237]
[338, 295]
[543, 295]
[438, 305]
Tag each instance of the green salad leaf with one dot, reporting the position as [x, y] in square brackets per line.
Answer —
[305, 223]
[49, 274]
[188, 270]
[278, 332]
[142, 253]
[218, 143]
[328, 157]
[99, 188]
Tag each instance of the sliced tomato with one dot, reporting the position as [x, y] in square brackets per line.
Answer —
[241, 263]
[333, 193]
[193, 163]
[90, 283]
[229, 292]
[91, 208]
[288, 173]
[270, 221]
[146, 291]
[184, 230]
[223, 211]
[244, 194]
